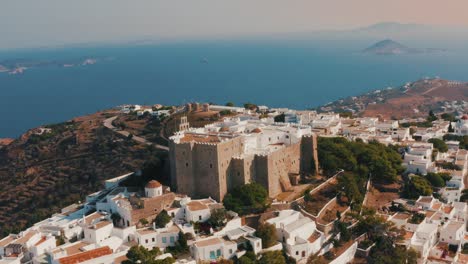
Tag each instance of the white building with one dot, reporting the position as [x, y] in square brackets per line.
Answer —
[297, 233]
[452, 232]
[213, 248]
[161, 237]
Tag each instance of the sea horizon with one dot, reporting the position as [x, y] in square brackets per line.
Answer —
[300, 74]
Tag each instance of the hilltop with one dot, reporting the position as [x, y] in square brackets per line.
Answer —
[390, 47]
[412, 100]
[53, 166]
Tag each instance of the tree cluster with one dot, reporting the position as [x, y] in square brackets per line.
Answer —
[162, 219]
[139, 254]
[380, 161]
[247, 198]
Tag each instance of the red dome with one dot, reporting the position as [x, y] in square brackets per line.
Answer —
[153, 184]
[257, 130]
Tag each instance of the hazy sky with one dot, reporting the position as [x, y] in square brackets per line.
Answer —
[30, 23]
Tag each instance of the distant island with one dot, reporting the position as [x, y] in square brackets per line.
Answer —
[390, 47]
[18, 66]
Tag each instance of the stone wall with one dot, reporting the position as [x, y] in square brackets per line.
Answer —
[309, 155]
[211, 170]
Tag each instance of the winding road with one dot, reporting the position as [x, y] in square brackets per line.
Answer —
[108, 124]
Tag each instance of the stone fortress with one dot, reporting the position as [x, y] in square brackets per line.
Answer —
[212, 160]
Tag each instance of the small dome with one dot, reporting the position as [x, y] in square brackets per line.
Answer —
[257, 130]
[153, 184]
[224, 129]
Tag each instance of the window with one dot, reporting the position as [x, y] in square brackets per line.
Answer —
[211, 165]
[212, 255]
[164, 240]
[146, 241]
[218, 252]
[153, 239]
[297, 252]
[230, 251]
[303, 254]
[199, 217]
[172, 239]
[186, 164]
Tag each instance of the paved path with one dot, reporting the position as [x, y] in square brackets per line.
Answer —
[108, 123]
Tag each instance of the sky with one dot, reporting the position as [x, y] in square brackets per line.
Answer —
[32, 23]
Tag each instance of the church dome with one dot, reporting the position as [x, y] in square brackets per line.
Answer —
[153, 184]
[257, 130]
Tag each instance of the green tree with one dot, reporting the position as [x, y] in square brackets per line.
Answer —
[180, 247]
[218, 218]
[464, 196]
[162, 219]
[272, 257]
[248, 258]
[439, 144]
[435, 179]
[431, 117]
[417, 186]
[250, 106]
[448, 117]
[139, 254]
[230, 104]
[246, 198]
[280, 118]
[267, 232]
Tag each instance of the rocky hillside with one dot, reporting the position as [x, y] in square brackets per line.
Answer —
[413, 100]
[51, 167]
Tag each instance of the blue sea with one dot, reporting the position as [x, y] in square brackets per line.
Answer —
[287, 73]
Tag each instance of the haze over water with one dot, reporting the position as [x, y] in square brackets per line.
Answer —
[297, 74]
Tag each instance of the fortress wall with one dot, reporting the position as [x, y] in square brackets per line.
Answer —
[309, 155]
[182, 167]
[206, 175]
[226, 151]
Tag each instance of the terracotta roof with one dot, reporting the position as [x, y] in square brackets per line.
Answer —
[196, 206]
[90, 218]
[153, 184]
[208, 242]
[200, 138]
[408, 235]
[41, 241]
[401, 216]
[436, 206]
[314, 237]
[448, 209]
[75, 248]
[120, 259]
[85, 256]
[429, 213]
[26, 237]
[146, 231]
[7, 240]
[462, 258]
[425, 200]
[101, 224]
